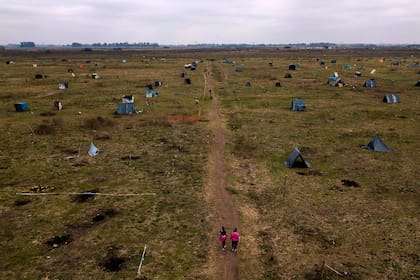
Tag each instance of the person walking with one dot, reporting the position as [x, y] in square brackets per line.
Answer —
[235, 236]
[223, 237]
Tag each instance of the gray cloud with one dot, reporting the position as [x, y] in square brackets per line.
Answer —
[217, 21]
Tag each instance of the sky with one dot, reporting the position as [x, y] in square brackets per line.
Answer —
[210, 21]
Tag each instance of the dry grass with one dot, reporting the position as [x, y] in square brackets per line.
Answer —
[291, 224]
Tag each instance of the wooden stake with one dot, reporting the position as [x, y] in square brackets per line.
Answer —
[141, 261]
[332, 269]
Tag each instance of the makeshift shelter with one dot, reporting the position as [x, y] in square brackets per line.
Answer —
[58, 106]
[158, 83]
[10, 62]
[418, 83]
[288, 76]
[391, 98]
[128, 99]
[377, 145]
[63, 85]
[248, 84]
[298, 105]
[346, 67]
[39, 76]
[21, 106]
[151, 93]
[126, 108]
[370, 83]
[295, 159]
[333, 61]
[95, 76]
[187, 81]
[292, 67]
[357, 74]
[278, 84]
[321, 63]
[93, 150]
[270, 64]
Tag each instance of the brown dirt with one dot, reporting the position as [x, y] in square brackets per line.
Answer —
[221, 264]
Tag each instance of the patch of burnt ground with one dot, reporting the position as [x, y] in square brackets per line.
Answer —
[112, 262]
[102, 215]
[58, 241]
[311, 173]
[350, 183]
[21, 202]
[86, 196]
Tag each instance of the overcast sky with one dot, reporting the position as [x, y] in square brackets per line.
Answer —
[209, 21]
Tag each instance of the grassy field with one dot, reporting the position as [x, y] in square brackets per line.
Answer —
[294, 223]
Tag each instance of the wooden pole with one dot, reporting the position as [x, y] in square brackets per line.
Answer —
[141, 261]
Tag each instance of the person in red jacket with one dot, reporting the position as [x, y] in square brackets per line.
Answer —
[234, 236]
[222, 238]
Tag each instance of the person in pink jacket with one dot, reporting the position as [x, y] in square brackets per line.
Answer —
[234, 236]
[222, 238]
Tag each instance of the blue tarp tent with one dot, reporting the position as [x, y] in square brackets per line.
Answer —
[377, 145]
[93, 151]
[295, 159]
[21, 106]
[370, 83]
[126, 108]
[298, 105]
[151, 93]
[346, 67]
[392, 98]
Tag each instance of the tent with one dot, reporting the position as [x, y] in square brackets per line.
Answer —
[295, 159]
[346, 67]
[248, 84]
[377, 145]
[321, 63]
[278, 84]
[126, 108]
[238, 69]
[39, 76]
[270, 64]
[187, 81]
[128, 99]
[63, 85]
[418, 72]
[288, 76]
[333, 61]
[158, 83]
[391, 98]
[21, 106]
[93, 151]
[95, 76]
[182, 75]
[292, 67]
[370, 83]
[418, 83]
[337, 82]
[357, 74]
[58, 106]
[298, 105]
[151, 93]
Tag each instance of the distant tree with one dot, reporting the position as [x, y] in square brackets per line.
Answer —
[76, 45]
[27, 44]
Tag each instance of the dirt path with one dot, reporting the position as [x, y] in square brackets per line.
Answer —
[222, 264]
